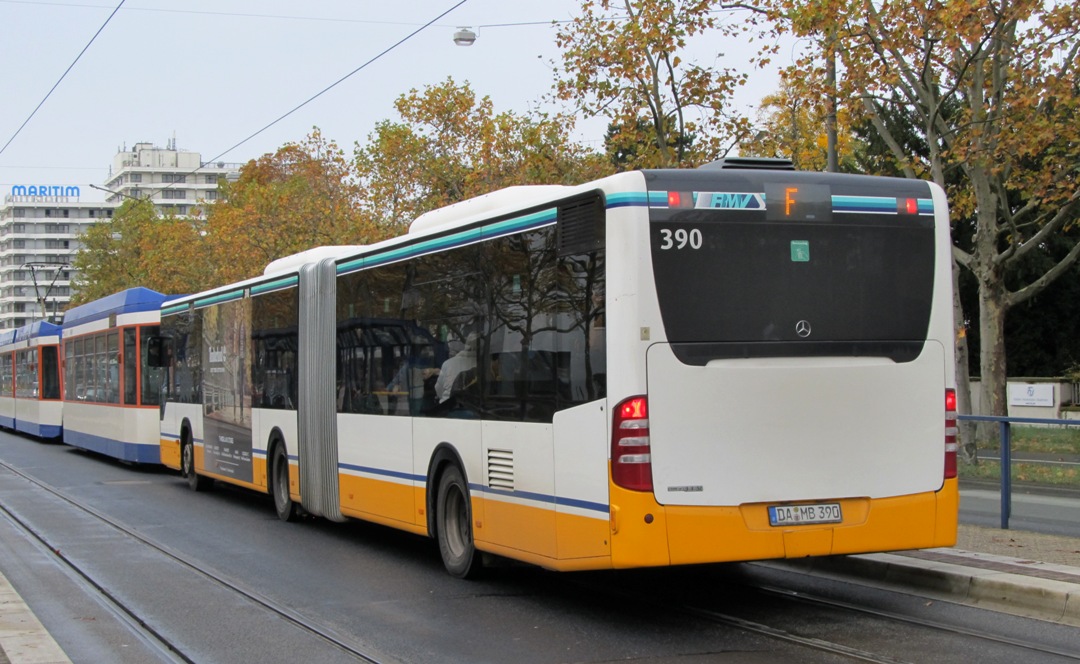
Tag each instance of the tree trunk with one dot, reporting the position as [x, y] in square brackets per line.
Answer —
[993, 388]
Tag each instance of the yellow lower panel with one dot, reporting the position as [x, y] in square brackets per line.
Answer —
[646, 533]
[582, 537]
[170, 453]
[258, 472]
[389, 500]
[516, 526]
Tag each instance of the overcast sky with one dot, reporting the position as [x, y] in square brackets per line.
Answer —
[213, 72]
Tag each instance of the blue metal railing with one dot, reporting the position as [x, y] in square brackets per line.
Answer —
[1006, 452]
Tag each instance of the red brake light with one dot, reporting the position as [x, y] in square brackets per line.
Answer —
[673, 199]
[950, 434]
[631, 458]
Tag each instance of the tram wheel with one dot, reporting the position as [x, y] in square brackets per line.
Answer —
[454, 521]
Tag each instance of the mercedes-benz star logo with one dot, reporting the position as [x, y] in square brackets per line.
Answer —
[802, 328]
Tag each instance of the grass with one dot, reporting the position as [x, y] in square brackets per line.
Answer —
[1034, 473]
[1038, 440]
[1064, 440]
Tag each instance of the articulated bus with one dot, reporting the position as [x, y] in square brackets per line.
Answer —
[111, 391]
[658, 368]
[30, 380]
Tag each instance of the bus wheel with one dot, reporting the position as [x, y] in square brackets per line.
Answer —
[287, 510]
[453, 514]
[187, 465]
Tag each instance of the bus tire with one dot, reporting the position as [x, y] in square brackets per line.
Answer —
[453, 517]
[196, 482]
[287, 510]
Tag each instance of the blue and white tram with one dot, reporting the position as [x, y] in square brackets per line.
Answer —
[30, 380]
[111, 395]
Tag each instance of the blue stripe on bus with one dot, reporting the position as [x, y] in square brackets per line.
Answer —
[542, 498]
[479, 488]
[136, 452]
[383, 473]
[272, 286]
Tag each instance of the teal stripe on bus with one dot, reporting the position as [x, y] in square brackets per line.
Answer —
[271, 286]
[499, 229]
[220, 298]
[168, 311]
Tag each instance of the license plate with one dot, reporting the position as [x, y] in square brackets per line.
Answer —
[797, 515]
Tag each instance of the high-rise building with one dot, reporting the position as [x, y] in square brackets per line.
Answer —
[40, 227]
[177, 181]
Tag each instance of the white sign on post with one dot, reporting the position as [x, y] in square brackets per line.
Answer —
[1027, 394]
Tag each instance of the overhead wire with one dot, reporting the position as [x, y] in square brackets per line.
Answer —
[317, 94]
[344, 78]
[62, 76]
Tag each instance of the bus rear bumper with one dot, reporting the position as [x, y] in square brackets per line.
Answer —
[649, 534]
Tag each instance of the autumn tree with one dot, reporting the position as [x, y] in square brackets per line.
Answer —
[136, 247]
[791, 125]
[994, 91]
[303, 195]
[624, 60]
[449, 145]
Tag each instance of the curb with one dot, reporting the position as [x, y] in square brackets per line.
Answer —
[23, 639]
[1047, 599]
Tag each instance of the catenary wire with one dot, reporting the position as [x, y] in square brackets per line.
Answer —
[62, 76]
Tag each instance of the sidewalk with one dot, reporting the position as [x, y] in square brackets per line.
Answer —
[1010, 571]
[23, 639]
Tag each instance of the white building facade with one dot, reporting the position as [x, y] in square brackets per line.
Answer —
[40, 227]
[176, 181]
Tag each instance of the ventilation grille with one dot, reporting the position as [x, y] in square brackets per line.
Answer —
[501, 469]
[750, 163]
[581, 226]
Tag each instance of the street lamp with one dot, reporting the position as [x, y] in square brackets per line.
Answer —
[464, 36]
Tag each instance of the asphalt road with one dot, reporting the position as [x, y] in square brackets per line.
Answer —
[140, 592]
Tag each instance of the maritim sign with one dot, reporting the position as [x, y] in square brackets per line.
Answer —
[43, 192]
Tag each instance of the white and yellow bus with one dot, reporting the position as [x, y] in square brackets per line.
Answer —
[657, 368]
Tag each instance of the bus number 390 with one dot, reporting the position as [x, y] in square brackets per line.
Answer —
[680, 238]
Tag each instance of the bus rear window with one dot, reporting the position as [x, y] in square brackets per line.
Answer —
[734, 284]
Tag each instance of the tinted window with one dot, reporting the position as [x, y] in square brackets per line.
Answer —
[742, 285]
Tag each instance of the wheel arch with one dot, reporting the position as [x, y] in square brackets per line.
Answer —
[444, 456]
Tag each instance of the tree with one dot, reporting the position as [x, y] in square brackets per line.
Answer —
[791, 125]
[621, 60]
[137, 248]
[449, 145]
[303, 195]
[995, 93]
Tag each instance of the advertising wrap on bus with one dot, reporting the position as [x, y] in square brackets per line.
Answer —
[227, 389]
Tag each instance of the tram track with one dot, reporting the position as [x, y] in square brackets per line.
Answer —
[811, 599]
[139, 624]
[729, 615]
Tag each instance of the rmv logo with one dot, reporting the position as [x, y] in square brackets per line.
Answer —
[44, 190]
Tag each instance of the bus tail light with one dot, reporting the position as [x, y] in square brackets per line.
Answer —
[631, 455]
[950, 434]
